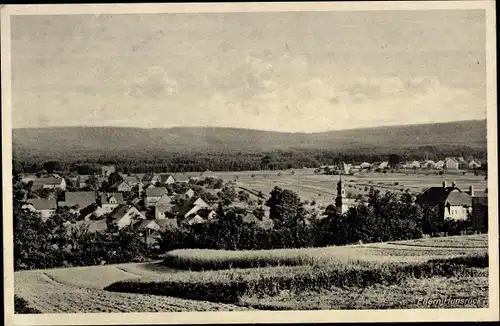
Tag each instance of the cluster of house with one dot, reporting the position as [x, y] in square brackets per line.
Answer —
[451, 203]
[95, 207]
[449, 163]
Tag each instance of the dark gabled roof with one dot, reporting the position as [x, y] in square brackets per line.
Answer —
[164, 177]
[188, 205]
[436, 195]
[204, 212]
[119, 212]
[43, 204]
[118, 183]
[80, 198]
[156, 192]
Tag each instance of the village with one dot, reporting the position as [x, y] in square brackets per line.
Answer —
[154, 202]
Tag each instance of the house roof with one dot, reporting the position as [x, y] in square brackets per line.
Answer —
[43, 204]
[156, 192]
[47, 181]
[436, 195]
[197, 219]
[165, 177]
[250, 218]
[117, 195]
[120, 211]
[164, 200]
[167, 223]
[80, 198]
[145, 224]
[190, 204]
[458, 198]
[136, 201]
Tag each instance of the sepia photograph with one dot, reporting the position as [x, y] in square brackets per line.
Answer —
[252, 162]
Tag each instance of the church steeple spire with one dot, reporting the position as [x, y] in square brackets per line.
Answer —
[340, 201]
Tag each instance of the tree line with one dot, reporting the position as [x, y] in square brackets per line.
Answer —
[218, 160]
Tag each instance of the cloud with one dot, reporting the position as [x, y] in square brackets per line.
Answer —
[155, 82]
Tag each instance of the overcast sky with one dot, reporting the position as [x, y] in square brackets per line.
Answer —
[299, 72]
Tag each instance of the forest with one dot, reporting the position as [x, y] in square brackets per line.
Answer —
[158, 161]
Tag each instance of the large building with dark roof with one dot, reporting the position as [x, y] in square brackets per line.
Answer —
[450, 202]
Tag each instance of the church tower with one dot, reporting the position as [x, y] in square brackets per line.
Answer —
[341, 201]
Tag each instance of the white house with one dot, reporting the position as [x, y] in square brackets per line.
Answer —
[163, 206]
[110, 201]
[45, 207]
[450, 202]
[124, 215]
[451, 163]
[49, 183]
[154, 194]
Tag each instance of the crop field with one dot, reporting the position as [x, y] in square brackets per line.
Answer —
[322, 188]
[413, 250]
[350, 277]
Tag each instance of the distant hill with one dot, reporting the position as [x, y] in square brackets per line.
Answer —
[100, 139]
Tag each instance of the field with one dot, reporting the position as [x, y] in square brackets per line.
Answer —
[401, 251]
[322, 188]
[72, 290]
[383, 275]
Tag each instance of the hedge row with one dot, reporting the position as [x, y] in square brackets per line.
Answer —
[229, 286]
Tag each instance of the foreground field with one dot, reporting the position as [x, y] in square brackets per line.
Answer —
[231, 285]
[76, 290]
[412, 293]
[383, 275]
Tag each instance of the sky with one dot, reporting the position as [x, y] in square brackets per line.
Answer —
[282, 71]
